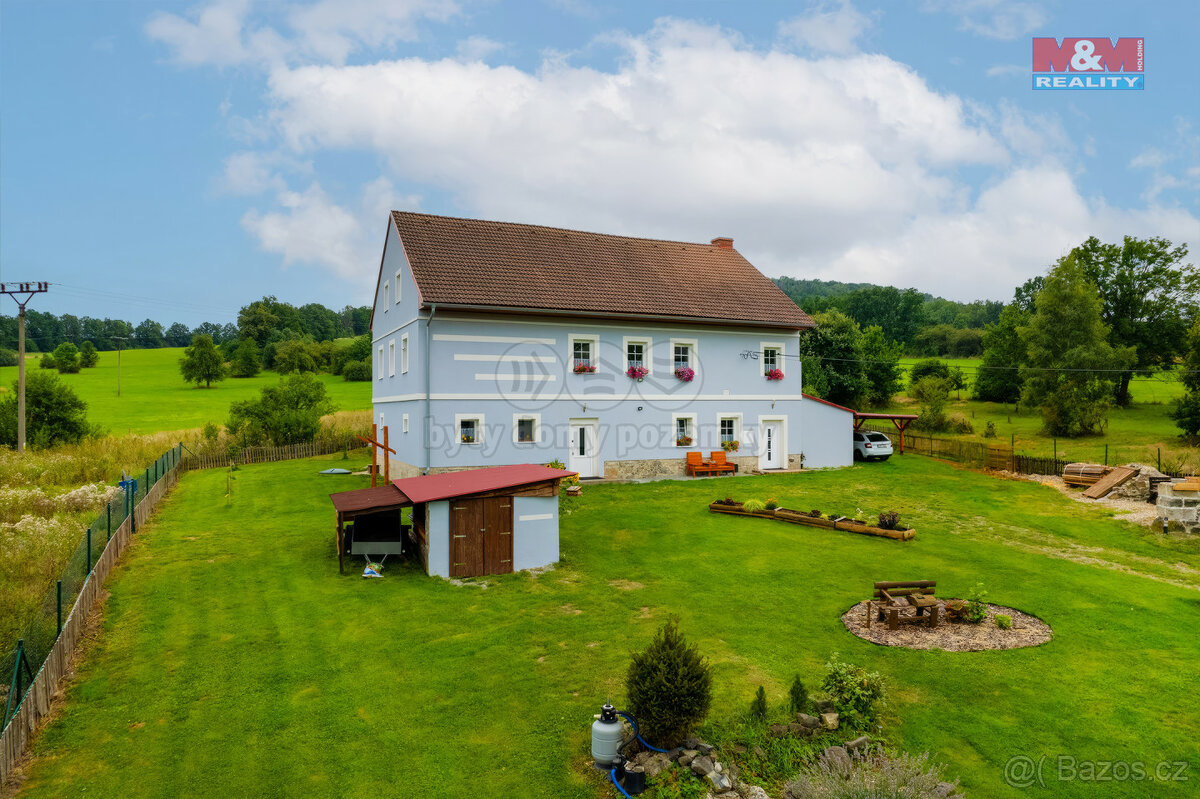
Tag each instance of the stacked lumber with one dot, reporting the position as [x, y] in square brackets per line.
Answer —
[1108, 482]
[1084, 474]
[1188, 484]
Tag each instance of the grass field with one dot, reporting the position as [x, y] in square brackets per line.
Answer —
[234, 661]
[155, 398]
[1137, 433]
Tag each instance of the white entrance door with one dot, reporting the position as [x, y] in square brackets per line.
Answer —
[770, 454]
[585, 448]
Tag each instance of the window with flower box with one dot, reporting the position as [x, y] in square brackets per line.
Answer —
[585, 353]
[685, 429]
[772, 359]
[470, 428]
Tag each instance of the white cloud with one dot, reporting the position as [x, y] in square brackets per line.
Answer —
[995, 19]
[838, 167]
[230, 33]
[827, 27]
[311, 228]
[1007, 70]
[477, 48]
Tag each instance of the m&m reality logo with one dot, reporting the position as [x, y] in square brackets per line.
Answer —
[1094, 62]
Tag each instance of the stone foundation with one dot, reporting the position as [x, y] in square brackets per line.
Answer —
[400, 469]
[666, 467]
[1180, 510]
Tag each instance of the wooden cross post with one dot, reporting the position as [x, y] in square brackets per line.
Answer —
[376, 445]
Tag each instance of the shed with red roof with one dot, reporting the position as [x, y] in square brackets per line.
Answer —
[463, 524]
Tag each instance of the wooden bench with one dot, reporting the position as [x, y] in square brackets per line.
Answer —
[890, 598]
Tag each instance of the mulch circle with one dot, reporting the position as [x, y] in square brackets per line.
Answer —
[952, 636]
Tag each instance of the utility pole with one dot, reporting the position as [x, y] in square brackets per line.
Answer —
[12, 290]
[119, 339]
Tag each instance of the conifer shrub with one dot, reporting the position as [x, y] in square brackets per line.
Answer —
[669, 686]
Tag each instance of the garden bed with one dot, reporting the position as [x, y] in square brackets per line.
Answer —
[956, 636]
[800, 517]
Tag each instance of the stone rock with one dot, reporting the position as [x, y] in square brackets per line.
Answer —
[657, 765]
[777, 730]
[703, 748]
[797, 729]
[675, 753]
[687, 756]
[1137, 487]
[858, 743]
[733, 771]
[837, 758]
[829, 721]
[720, 782]
[691, 743]
[701, 765]
[812, 722]
[759, 753]
[825, 705]
[737, 749]
[755, 792]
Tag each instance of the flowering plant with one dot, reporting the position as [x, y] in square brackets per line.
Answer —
[584, 368]
[775, 374]
[685, 373]
[730, 446]
[683, 441]
[637, 372]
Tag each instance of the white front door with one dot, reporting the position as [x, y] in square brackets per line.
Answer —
[584, 448]
[770, 436]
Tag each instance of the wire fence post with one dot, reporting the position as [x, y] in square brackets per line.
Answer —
[108, 514]
[1106, 454]
[59, 610]
[89, 555]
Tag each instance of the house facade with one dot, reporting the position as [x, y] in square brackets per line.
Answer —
[499, 343]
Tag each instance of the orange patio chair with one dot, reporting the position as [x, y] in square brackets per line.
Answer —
[719, 463]
[695, 464]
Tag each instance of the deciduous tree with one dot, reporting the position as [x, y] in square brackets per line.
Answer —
[201, 362]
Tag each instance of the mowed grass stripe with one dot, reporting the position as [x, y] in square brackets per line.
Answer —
[277, 677]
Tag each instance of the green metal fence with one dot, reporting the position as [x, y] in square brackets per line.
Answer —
[19, 665]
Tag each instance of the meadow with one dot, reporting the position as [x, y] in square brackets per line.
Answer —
[154, 397]
[235, 661]
[1141, 432]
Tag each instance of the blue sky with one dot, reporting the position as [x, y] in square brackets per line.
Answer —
[175, 161]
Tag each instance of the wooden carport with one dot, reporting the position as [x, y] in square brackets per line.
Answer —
[364, 501]
[901, 420]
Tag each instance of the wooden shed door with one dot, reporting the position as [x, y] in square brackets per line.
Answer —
[466, 538]
[481, 536]
[498, 535]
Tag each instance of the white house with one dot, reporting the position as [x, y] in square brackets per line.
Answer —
[501, 343]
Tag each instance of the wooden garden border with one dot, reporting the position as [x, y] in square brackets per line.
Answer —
[799, 517]
[38, 700]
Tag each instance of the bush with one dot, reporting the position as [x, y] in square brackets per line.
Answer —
[816, 514]
[357, 371]
[930, 367]
[296, 355]
[889, 519]
[976, 609]
[211, 432]
[669, 687]
[88, 357]
[758, 708]
[8, 357]
[958, 423]
[54, 414]
[245, 361]
[66, 358]
[288, 413]
[771, 503]
[855, 692]
[990, 430]
[872, 774]
[1004, 621]
[47, 362]
[1185, 412]
[798, 696]
[754, 505]
[932, 393]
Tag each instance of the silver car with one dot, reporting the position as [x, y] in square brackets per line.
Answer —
[872, 446]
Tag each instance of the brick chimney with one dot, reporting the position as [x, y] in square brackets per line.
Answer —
[723, 243]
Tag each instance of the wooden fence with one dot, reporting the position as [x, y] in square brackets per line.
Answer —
[36, 704]
[222, 460]
[972, 453]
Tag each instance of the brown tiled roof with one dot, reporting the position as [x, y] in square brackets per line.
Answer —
[504, 265]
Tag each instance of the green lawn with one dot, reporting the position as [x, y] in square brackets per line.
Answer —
[154, 396]
[234, 661]
[1136, 433]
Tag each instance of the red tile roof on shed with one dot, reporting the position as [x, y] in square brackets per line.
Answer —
[431, 487]
[529, 268]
